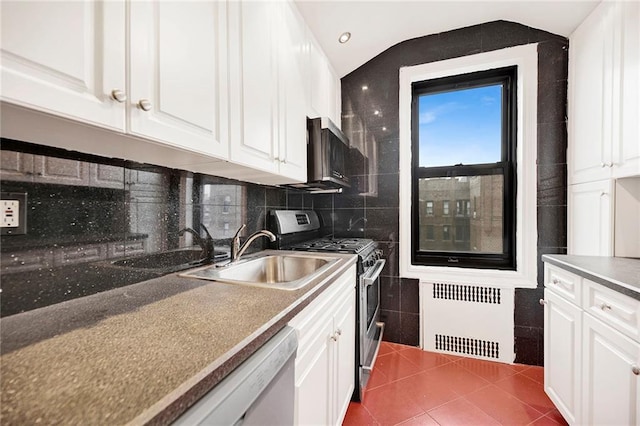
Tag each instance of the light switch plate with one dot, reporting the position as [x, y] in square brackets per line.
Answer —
[13, 217]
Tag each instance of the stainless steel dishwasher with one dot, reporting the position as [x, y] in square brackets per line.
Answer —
[259, 392]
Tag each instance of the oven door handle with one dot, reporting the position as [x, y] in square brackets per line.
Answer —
[368, 368]
[373, 276]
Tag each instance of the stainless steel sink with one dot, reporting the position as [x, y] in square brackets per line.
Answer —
[280, 271]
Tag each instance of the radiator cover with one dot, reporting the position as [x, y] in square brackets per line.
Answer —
[468, 320]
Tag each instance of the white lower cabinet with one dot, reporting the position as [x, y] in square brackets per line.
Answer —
[562, 354]
[611, 386]
[325, 364]
[592, 352]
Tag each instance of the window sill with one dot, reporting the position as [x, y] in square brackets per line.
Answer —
[471, 276]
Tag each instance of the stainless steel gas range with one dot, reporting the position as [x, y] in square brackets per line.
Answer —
[300, 230]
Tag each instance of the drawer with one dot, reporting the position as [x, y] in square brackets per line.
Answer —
[564, 283]
[614, 309]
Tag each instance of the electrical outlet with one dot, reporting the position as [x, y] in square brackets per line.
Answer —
[10, 213]
[13, 213]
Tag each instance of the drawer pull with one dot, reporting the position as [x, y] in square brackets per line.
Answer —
[635, 370]
[542, 302]
[605, 307]
[555, 281]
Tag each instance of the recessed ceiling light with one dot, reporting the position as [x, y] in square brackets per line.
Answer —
[365, 87]
[384, 129]
[376, 112]
[344, 37]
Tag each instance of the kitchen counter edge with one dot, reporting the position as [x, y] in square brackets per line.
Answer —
[617, 273]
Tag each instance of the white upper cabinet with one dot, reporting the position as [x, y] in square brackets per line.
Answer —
[626, 152]
[219, 87]
[604, 94]
[178, 74]
[254, 86]
[268, 79]
[293, 102]
[65, 58]
[174, 90]
[324, 85]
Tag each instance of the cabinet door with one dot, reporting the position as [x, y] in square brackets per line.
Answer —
[179, 68]
[611, 390]
[590, 94]
[65, 58]
[292, 118]
[313, 383]
[345, 350]
[590, 215]
[562, 356]
[254, 71]
[626, 152]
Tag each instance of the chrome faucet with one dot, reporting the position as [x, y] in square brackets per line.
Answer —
[238, 250]
[206, 244]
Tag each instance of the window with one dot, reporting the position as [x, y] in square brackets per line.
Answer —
[446, 236]
[463, 141]
[429, 208]
[430, 235]
[463, 207]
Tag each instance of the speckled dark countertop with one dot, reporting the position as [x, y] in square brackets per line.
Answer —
[618, 273]
[141, 353]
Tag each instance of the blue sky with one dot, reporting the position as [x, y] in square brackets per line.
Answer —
[461, 126]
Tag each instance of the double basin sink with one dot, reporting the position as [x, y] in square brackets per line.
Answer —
[270, 268]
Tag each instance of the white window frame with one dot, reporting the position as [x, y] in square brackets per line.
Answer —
[525, 276]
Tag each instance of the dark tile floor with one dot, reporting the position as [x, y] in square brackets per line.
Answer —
[413, 387]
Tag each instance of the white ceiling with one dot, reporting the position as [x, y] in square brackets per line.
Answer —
[377, 25]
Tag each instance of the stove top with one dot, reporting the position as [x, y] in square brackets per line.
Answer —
[344, 245]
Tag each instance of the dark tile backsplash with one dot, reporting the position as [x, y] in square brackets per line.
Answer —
[111, 210]
[380, 208]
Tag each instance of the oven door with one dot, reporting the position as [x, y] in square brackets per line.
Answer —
[371, 329]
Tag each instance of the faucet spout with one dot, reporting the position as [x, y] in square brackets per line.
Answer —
[238, 249]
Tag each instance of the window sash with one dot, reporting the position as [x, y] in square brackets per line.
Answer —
[506, 168]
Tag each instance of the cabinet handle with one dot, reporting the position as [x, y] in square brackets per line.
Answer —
[635, 370]
[555, 281]
[339, 332]
[603, 164]
[602, 194]
[605, 307]
[334, 337]
[118, 95]
[144, 104]
[542, 302]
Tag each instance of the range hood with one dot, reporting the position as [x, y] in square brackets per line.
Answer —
[327, 158]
